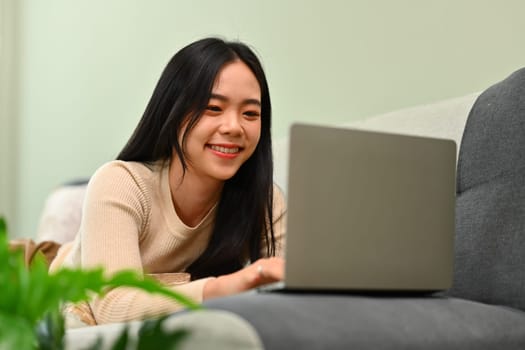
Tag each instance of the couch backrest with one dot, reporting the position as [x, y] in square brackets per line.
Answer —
[490, 208]
[442, 119]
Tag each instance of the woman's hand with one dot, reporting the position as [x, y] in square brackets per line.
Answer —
[263, 271]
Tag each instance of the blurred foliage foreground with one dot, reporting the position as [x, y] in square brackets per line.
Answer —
[31, 299]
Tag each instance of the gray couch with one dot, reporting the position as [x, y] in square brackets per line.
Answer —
[484, 309]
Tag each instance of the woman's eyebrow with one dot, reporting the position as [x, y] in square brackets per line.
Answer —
[248, 101]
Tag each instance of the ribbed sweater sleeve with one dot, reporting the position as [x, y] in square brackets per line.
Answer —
[115, 213]
[125, 304]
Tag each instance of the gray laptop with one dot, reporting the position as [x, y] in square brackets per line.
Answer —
[369, 211]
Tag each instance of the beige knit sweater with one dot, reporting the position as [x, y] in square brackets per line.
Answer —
[129, 222]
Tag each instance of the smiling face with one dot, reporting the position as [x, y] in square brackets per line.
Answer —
[228, 132]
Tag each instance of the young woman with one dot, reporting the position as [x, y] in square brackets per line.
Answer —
[191, 196]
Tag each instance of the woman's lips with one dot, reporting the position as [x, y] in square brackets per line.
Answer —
[225, 151]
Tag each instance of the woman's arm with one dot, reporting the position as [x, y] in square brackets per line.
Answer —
[263, 271]
[115, 212]
[116, 215]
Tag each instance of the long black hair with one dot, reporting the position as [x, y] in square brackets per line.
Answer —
[243, 225]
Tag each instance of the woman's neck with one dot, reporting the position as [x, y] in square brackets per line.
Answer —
[192, 196]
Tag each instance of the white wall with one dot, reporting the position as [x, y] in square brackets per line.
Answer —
[87, 67]
[8, 125]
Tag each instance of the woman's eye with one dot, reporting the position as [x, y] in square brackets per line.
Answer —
[252, 114]
[213, 108]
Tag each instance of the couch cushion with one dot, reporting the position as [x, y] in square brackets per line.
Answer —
[490, 212]
[317, 321]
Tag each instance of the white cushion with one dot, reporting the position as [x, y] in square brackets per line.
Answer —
[208, 329]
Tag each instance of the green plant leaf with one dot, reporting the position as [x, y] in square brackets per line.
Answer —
[29, 308]
[50, 331]
[3, 227]
[16, 333]
[122, 341]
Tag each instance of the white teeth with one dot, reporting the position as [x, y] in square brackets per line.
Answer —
[224, 149]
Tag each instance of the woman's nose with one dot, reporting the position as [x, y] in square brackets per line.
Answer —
[231, 123]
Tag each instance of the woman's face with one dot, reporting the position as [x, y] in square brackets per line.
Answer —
[228, 132]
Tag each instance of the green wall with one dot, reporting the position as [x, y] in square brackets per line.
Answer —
[86, 68]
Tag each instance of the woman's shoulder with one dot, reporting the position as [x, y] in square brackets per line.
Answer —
[119, 175]
[116, 167]
[123, 170]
